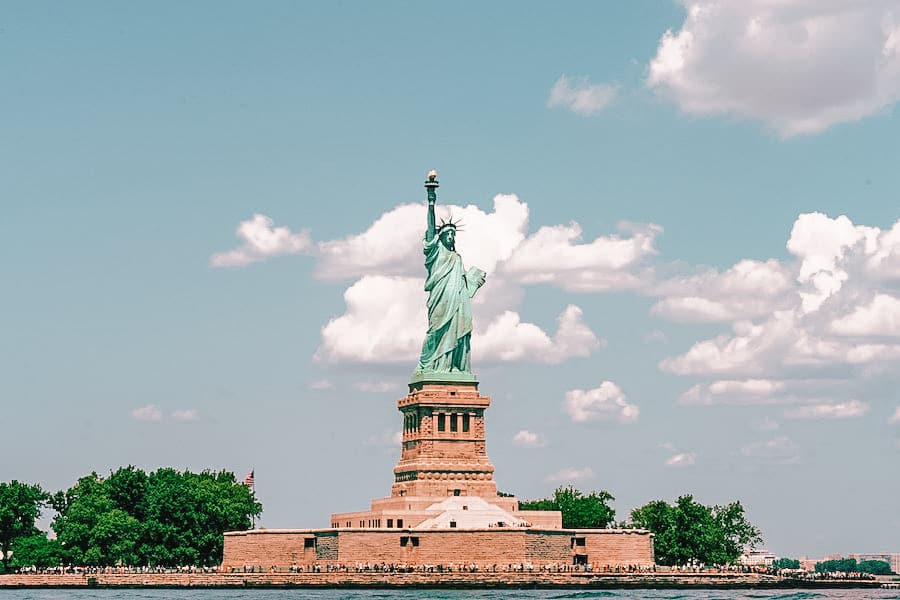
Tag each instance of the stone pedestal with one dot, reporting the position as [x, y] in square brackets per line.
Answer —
[444, 450]
[444, 479]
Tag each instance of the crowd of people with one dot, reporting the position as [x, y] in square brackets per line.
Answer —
[525, 567]
[113, 570]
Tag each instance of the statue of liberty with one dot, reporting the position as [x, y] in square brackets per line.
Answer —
[450, 290]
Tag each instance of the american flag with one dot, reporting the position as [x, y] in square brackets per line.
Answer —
[248, 480]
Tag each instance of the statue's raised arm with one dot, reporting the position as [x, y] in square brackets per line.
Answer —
[446, 349]
[431, 187]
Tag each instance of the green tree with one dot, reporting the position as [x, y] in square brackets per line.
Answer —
[840, 565]
[579, 511]
[166, 517]
[785, 563]
[37, 551]
[20, 507]
[689, 531]
[875, 567]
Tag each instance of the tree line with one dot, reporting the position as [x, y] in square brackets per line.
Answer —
[131, 517]
[849, 565]
[684, 532]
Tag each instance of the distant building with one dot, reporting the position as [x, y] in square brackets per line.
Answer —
[892, 559]
[809, 564]
[757, 558]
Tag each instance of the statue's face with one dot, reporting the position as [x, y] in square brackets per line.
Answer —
[448, 238]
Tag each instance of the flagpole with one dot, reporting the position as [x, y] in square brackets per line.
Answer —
[250, 482]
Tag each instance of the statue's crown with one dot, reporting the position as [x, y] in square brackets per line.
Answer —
[450, 224]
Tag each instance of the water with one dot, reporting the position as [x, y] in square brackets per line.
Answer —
[207, 594]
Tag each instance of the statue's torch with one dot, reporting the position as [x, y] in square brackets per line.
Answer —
[431, 185]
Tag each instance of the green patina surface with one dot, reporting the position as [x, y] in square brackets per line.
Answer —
[446, 351]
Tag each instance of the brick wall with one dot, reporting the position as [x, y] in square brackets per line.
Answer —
[549, 547]
[281, 548]
[482, 546]
[618, 546]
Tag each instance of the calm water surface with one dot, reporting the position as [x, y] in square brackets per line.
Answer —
[448, 595]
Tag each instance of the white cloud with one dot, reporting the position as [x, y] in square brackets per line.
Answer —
[823, 246]
[836, 315]
[799, 67]
[840, 410]
[377, 387]
[385, 318]
[528, 439]
[606, 402]
[746, 392]
[385, 322]
[321, 384]
[751, 351]
[149, 412]
[186, 414]
[896, 417]
[392, 245]
[682, 459]
[880, 317]
[570, 474]
[507, 339]
[553, 255]
[779, 449]
[580, 96]
[748, 289]
[261, 241]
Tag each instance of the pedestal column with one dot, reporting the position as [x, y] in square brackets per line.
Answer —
[444, 451]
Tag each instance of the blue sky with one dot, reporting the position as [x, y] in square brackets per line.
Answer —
[674, 301]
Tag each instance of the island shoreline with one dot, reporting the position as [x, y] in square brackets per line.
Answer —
[422, 581]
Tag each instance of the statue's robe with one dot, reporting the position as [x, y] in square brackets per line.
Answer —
[446, 346]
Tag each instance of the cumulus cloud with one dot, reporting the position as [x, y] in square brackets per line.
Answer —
[682, 459]
[570, 475]
[321, 384]
[392, 245]
[880, 317]
[798, 67]
[750, 351]
[747, 392]
[508, 339]
[838, 317]
[603, 403]
[149, 412]
[528, 439]
[748, 289]
[840, 410]
[826, 247]
[377, 387]
[781, 449]
[384, 322]
[186, 414]
[580, 96]
[385, 317]
[261, 241]
[555, 255]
